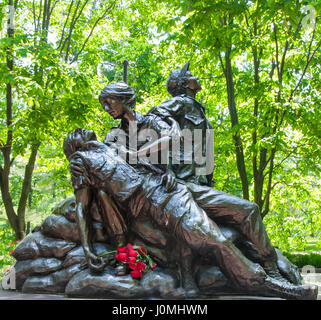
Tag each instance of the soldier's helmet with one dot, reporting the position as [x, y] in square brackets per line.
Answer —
[180, 80]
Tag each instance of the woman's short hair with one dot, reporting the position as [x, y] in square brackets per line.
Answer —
[120, 90]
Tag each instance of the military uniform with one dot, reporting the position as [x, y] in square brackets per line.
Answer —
[189, 114]
[221, 207]
[175, 213]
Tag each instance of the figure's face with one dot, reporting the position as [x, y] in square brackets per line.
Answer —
[76, 140]
[83, 136]
[113, 106]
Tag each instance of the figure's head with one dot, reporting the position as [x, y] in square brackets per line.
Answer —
[75, 140]
[116, 98]
[181, 81]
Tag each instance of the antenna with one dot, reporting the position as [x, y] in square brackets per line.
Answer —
[125, 70]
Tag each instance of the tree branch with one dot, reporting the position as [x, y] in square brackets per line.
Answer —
[70, 34]
[92, 30]
[283, 59]
[272, 68]
[65, 24]
[222, 64]
[53, 7]
[309, 59]
[71, 26]
[34, 14]
[276, 49]
[26, 188]
[288, 156]
[40, 12]
[248, 25]
[269, 187]
[44, 18]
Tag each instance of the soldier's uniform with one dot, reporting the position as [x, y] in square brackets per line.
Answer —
[221, 207]
[175, 213]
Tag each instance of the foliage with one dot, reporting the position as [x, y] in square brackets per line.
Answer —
[259, 67]
[49, 86]
[258, 59]
[304, 259]
[259, 64]
[7, 244]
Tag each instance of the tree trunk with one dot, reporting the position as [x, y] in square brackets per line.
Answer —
[258, 170]
[16, 220]
[25, 190]
[234, 120]
[7, 200]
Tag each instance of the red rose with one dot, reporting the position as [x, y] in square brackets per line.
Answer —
[133, 266]
[141, 250]
[136, 274]
[140, 266]
[123, 250]
[131, 260]
[121, 257]
[132, 253]
[153, 266]
[129, 246]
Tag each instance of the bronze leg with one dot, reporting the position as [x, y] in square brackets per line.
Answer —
[113, 220]
[242, 214]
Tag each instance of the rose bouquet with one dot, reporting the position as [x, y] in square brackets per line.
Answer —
[135, 257]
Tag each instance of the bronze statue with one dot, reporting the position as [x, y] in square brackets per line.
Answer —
[189, 114]
[219, 206]
[141, 187]
[175, 213]
[182, 112]
[114, 222]
[177, 113]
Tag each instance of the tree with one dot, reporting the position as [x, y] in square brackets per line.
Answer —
[43, 79]
[260, 59]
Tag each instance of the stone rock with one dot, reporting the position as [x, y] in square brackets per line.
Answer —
[102, 247]
[36, 245]
[57, 226]
[210, 278]
[161, 283]
[77, 256]
[52, 283]
[26, 268]
[106, 284]
[74, 256]
[66, 208]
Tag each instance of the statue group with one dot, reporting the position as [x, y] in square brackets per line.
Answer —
[151, 179]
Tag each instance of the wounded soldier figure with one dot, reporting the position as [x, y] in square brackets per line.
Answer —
[174, 213]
